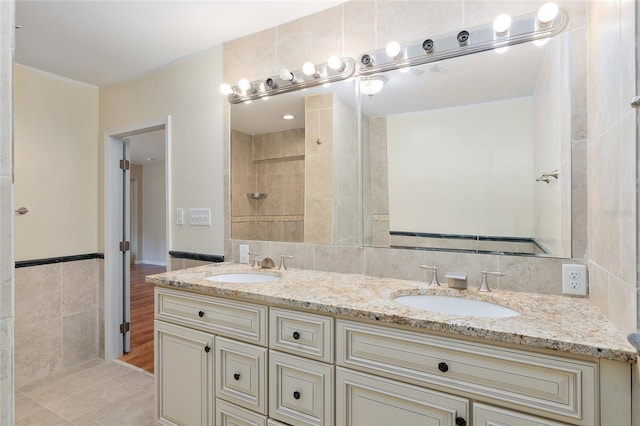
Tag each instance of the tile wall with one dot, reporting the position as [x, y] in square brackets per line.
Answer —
[57, 308]
[7, 44]
[355, 27]
[612, 156]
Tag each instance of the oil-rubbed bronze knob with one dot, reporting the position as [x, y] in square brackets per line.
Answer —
[296, 395]
[207, 349]
[460, 421]
[443, 367]
[236, 376]
[296, 335]
[201, 314]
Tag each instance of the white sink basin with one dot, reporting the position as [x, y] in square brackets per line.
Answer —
[459, 306]
[242, 278]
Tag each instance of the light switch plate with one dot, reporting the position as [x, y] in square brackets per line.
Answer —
[243, 253]
[200, 217]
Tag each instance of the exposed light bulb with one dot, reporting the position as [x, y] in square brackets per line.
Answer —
[393, 49]
[287, 75]
[309, 69]
[335, 63]
[226, 89]
[502, 23]
[547, 12]
[244, 84]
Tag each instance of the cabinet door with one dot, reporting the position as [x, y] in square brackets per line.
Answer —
[231, 415]
[366, 400]
[184, 375]
[487, 415]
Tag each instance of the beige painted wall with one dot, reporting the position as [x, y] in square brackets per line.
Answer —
[188, 92]
[56, 126]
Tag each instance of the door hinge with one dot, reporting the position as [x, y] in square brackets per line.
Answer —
[125, 327]
[124, 164]
[125, 246]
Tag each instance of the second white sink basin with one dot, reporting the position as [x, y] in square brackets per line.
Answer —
[242, 278]
[459, 306]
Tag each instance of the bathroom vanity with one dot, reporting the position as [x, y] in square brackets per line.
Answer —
[321, 348]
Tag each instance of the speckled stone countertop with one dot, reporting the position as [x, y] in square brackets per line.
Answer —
[559, 323]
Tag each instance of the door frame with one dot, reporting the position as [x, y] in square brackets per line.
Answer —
[113, 196]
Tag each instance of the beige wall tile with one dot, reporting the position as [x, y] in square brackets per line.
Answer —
[622, 306]
[470, 264]
[6, 371]
[79, 286]
[360, 27]
[579, 80]
[302, 254]
[6, 250]
[79, 338]
[38, 294]
[293, 231]
[339, 259]
[394, 263]
[317, 220]
[244, 230]
[177, 264]
[542, 276]
[311, 38]
[252, 57]
[38, 351]
[191, 263]
[599, 287]
[405, 21]
[627, 169]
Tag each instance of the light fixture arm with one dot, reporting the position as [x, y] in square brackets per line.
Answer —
[523, 28]
[276, 85]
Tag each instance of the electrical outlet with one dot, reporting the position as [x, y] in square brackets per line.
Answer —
[574, 280]
[244, 253]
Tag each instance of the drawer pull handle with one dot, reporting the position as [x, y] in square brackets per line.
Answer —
[207, 349]
[236, 376]
[443, 367]
[296, 395]
[201, 314]
[296, 335]
[460, 421]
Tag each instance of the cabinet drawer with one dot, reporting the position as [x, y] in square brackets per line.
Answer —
[362, 399]
[302, 334]
[301, 390]
[242, 321]
[486, 415]
[231, 415]
[544, 385]
[271, 422]
[241, 374]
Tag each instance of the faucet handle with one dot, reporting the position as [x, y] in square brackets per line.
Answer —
[256, 259]
[434, 277]
[282, 266]
[485, 286]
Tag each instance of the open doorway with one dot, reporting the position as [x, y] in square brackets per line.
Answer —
[148, 246]
[137, 235]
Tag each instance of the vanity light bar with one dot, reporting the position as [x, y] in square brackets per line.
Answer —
[287, 81]
[522, 29]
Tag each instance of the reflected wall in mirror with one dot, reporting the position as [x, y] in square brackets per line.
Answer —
[454, 152]
[295, 179]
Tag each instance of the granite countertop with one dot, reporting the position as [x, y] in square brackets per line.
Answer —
[561, 323]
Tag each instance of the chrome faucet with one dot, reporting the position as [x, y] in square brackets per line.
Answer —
[434, 277]
[282, 266]
[267, 263]
[485, 286]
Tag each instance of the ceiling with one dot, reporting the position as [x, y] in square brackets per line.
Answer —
[100, 42]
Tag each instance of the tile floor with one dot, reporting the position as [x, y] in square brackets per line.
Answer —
[96, 393]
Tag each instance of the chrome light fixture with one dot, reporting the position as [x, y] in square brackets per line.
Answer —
[503, 32]
[336, 69]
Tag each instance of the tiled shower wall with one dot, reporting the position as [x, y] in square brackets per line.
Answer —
[356, 27]
[57, 311]
[7, 38]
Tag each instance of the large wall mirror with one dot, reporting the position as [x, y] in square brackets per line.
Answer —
[472, 153]
[293, 174]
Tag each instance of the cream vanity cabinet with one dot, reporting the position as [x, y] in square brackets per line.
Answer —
[225, 362]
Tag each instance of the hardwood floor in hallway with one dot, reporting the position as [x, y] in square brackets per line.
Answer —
[141, 353]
